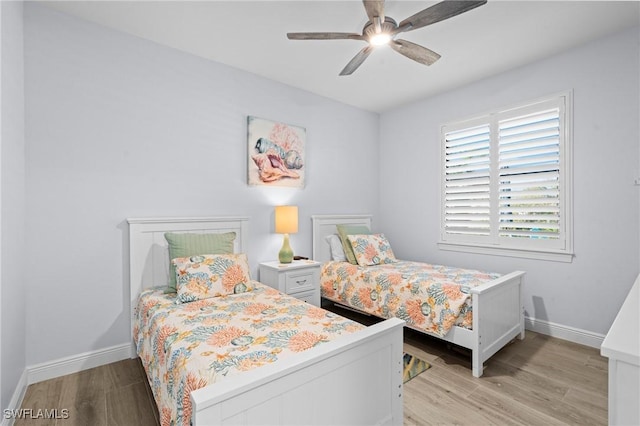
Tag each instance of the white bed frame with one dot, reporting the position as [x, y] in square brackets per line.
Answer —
[498, 312]
[356, 379]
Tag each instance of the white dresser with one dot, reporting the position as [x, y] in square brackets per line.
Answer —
[622, 347]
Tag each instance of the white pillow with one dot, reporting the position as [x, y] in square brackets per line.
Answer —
[335, 246]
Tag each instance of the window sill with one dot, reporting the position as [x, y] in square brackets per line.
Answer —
[555, 256]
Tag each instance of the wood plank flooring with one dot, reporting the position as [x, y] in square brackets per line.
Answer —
[110, 395]
[537, 381]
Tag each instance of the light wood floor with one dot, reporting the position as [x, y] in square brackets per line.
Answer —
[537, 381]
[114, 394]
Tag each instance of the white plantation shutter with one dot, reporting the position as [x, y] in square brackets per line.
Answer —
[506, 180]
[467, 177]
[529, 176]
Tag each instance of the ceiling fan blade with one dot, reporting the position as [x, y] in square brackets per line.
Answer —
[375, 8]
[356, 61]
[414, 51]
[324, 36]
[438, 12]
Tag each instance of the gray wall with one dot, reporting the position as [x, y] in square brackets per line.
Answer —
[120, 127]
[587, 293]
[12, 201]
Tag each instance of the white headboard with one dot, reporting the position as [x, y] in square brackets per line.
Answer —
[149, 252]
[324, 225]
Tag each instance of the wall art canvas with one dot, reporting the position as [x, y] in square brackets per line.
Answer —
[276, 153]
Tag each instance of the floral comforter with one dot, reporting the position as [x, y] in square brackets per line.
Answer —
[432, 298]
[184, 347]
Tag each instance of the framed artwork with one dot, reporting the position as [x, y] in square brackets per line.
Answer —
[276, 153]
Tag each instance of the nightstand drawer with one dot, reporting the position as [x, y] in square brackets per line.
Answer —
[309, 297]
[296, 282]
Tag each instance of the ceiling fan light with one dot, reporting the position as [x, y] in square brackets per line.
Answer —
[380, 39]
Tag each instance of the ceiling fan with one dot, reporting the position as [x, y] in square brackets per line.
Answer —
[381, 30]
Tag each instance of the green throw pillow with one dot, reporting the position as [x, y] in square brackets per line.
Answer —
[343, 231]
[186, 245]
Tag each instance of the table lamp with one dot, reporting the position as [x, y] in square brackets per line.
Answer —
[286, 223]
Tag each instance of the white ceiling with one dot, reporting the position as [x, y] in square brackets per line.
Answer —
[251, 35]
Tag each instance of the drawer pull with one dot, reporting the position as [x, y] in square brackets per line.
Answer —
[300, 282]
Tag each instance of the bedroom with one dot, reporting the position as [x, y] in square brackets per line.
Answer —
[111, 125]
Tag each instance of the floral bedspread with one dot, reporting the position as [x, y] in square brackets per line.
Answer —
[184, 347]
[432, 298]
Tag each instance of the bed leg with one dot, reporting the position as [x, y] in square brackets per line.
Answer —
[477, 371]
[477, 366]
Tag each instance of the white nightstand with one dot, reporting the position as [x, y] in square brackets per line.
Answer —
[300, 278]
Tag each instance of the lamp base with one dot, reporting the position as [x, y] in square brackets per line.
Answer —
[286, 253]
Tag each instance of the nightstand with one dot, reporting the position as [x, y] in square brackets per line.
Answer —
[300, 278]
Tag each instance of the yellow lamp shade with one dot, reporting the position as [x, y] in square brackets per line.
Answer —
[286, 219]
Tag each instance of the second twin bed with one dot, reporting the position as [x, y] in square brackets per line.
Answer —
[477, 310]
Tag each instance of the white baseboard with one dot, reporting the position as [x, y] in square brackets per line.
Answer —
[76, 363]
[16, 399]
[564, 332]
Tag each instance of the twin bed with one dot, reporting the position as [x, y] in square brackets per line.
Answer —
[493, 318]
[201, 353]
[315, 368]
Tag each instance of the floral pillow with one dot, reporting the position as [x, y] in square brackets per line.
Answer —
[371, 249]
[211, 275]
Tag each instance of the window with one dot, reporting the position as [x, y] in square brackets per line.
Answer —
[506, 182]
